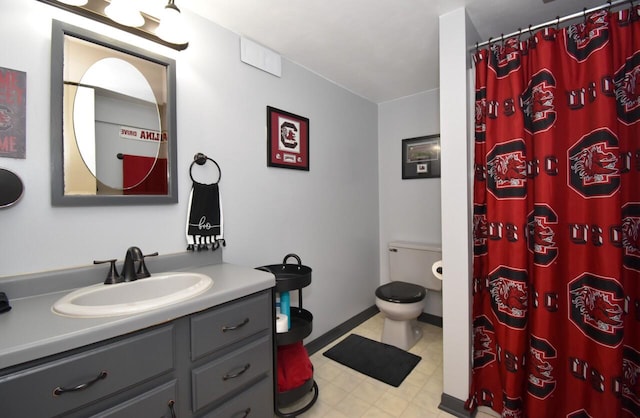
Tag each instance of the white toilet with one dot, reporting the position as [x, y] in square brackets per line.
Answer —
[402, 300]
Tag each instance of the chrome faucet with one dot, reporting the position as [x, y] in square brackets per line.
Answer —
[129, 271]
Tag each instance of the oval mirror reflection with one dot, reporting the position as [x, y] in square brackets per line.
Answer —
[116, 117]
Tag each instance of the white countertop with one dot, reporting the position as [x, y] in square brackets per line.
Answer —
[31, 330]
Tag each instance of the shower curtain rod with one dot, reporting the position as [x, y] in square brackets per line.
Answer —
[555, 21]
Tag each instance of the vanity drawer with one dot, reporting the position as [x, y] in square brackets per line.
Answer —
[257, 401]
[218, 378]
[153, 403]
[126, 362]
[220, 327]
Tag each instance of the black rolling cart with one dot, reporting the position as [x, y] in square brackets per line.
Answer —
[292, 277]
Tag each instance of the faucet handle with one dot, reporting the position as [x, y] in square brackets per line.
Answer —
[112, 276]
[142, 268]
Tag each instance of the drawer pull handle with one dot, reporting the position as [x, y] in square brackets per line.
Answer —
[172, 409]
[235, 327]
[59, 391]
[246, 412]
[233, 376]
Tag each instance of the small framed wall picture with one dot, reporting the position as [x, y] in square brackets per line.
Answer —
[421, 157]
[13, 113]
[287, 140]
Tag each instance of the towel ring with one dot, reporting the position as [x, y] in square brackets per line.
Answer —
[201, 159]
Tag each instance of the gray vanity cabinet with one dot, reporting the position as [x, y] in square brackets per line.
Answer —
[215, 363]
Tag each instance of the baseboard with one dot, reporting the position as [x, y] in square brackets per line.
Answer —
[430, 319]
[335, 333]
[453, 406]
[328, 337]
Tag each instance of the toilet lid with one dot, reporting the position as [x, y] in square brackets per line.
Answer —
[401, 292]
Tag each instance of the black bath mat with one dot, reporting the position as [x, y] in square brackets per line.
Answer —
[383, 362]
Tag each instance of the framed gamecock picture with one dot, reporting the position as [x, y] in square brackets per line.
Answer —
[421, 157]
[287, 140]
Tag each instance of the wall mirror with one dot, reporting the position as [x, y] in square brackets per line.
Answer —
[113, 122]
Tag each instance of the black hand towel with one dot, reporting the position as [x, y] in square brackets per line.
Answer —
[4, 303]
[204, 221]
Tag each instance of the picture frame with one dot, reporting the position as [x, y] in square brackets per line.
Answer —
[13, 113]
[287, 140]
[421, 157]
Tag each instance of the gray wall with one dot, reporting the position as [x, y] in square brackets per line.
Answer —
[328, 216]
[409, 209]
[456, 120]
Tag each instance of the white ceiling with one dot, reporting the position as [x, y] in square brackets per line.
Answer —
[378, 49]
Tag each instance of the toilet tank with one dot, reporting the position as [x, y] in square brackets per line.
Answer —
[411, 262]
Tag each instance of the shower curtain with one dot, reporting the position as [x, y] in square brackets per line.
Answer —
[556, 217]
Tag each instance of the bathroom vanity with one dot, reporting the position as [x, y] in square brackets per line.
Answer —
[210, 356]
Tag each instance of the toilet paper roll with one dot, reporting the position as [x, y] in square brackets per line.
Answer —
[282, 323]
[436, 268]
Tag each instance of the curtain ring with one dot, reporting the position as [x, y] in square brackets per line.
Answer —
[584, 14]
[502, 39]
[476, 47]
[519, 33]
[557, 23]
[489, 43]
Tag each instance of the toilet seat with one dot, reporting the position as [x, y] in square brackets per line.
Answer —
[401, 292]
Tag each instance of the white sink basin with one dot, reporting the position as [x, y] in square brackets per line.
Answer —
[142, 295]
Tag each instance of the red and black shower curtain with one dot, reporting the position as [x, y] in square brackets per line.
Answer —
[556, 300]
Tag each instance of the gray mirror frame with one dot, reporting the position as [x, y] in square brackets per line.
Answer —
[58, 198]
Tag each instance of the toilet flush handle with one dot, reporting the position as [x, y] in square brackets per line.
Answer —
[393, 250]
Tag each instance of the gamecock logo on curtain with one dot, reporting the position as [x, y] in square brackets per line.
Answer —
[541, 235]
[483, 342]
[593, 164]
[542, 382]
[537, 102]
[631, 236]
[585, 38]
[629, 387]
[626, 83]
[596, 308]
[507, 170]
[504, 59]
[509, 296]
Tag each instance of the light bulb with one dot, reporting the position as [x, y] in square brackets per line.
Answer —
[74, 2]
[121, 11]
[171, 28]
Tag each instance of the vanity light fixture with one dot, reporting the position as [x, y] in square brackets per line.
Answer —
[107, 12]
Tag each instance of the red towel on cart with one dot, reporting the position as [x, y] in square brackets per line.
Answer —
[294, 366]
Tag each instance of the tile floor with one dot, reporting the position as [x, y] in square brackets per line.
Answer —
[345, 393]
